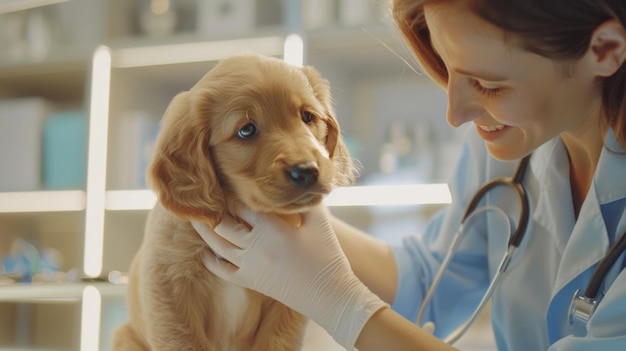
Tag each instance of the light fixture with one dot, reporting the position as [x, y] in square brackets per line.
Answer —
[294, 50]
[96, 168]
[42, 201]
[366, 195]
[90, 319]
[390, 195]
[194, 52]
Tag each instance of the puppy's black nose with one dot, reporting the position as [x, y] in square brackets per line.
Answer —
[304, 174]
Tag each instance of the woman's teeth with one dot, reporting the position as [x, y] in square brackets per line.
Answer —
[492, 128]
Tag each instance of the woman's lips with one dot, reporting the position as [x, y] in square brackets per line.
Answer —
[492, 128]
[491, 132]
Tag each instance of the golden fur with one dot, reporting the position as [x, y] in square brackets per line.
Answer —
[202, 169]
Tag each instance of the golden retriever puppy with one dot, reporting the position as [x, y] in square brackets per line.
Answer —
[254, 132]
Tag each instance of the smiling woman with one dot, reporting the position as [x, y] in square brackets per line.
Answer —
[539, 52]
[516, 98]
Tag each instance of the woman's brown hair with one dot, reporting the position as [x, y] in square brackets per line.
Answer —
[555, 29]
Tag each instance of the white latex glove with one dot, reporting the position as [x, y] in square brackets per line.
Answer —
[303, 268]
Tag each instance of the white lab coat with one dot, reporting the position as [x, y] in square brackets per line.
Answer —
[557, 256]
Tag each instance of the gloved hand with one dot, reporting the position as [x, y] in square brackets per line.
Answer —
[303, 268]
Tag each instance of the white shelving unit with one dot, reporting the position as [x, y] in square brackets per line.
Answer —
[122, 80]
[61, 293]
[42, 201]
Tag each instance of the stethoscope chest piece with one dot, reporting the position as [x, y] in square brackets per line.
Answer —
[581, 308]
[583, 305]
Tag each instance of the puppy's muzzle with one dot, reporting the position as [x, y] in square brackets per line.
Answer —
[304, 175]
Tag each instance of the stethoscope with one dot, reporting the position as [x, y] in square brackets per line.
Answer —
[581, 307]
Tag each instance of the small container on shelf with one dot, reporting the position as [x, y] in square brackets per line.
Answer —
[65, 150]
[136, 134]
[21, 127]
[225, 17]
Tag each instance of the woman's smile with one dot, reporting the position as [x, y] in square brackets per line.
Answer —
[492, 128]
[492, 132]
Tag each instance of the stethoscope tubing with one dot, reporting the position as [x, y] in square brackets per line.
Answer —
[514, 183]
[456, 241]
[603, 267]
[502, 267]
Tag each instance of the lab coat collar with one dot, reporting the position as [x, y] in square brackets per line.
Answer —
[553, 211]
[550, 163]
[610, 172]
[583, 242]
[587, 244]
[589, 239]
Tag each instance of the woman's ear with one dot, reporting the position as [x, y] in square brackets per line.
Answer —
[608, 47]
[182, 173]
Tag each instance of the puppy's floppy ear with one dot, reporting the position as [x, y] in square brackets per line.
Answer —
[335, 145]
[346, 170]
[182, 172]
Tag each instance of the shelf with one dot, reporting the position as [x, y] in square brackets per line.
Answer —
[390, 195]
[57, 293]
[122, 200]
[191, 37]
[42, 201]
[371, 195]
[197, 51]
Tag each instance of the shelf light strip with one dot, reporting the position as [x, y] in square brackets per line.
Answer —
[42, 201]
[390, 195]
[57, 293]
[294, 50]
[194, 52]
[21, 292]
[122, 200]
[90, 319]
[371, 195]
[96, 169]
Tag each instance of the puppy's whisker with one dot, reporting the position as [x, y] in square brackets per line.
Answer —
[263, 179]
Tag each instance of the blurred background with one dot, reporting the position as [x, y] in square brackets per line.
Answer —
[83, 85]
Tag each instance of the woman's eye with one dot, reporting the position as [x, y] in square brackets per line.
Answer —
[247, 131]
[307, 116]
[488, 92]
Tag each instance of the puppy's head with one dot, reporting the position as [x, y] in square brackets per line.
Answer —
[253, 131]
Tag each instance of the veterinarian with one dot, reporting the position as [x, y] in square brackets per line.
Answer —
[544, 78]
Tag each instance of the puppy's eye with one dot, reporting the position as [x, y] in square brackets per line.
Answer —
[307, 116]
[247, 131]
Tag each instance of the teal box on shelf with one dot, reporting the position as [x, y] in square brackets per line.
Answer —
[65, 151]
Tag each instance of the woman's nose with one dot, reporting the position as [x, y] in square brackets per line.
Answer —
[463, 106]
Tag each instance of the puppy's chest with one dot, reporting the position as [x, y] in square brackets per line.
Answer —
[234, 307]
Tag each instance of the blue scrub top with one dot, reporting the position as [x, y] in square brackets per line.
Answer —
[529, 310]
